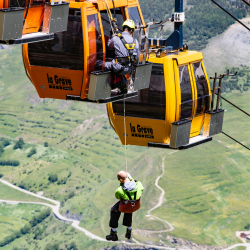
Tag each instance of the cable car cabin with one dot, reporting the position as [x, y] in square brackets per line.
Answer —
[171, 112]
[25, 21]
[68, 66]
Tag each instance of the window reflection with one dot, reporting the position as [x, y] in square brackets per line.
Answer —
[64, 51]
[95, 59]
[16, 3]
[135, 16]
[186, 93]
[151, 102]
[110, 54]
[202, 88]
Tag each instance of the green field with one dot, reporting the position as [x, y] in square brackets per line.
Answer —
[14, 217]
[207, 187]
[9, 193]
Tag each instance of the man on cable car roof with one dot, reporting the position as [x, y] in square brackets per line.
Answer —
[129, 193]
[127, 51]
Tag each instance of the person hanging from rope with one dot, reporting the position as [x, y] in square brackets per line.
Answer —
[129, 193]
[126, 49]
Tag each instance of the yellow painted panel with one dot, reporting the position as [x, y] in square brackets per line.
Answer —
[187, 57]
[196, 125]
[140, 131]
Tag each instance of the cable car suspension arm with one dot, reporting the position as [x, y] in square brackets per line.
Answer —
[232, 15]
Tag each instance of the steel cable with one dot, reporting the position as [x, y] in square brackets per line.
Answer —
[235, 140]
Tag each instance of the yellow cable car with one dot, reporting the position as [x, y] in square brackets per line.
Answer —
[179, 89]
[61, 68]
[173, 110]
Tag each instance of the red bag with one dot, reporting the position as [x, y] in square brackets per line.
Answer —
[131, 205]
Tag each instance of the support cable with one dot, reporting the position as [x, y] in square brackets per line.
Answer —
[234, 105]
[235, 140]
[231, 15]
[246, 2]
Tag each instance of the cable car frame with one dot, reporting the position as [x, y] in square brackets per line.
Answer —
[62, 68]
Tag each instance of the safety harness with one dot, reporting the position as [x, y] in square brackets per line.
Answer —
[127, 61]
[131, 205]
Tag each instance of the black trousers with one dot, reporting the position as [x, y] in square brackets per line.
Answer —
[115, 215]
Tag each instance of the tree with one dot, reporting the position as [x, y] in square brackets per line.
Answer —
[53, 177]
[19, 144]
[72, 246]
[32, 152]
[4, 141]
[1, 149]
[46, 144]
[1, 175]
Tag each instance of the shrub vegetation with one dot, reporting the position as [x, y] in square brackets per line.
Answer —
[19, 144]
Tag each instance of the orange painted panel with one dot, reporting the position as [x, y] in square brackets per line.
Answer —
[56, 83]
[33, 20]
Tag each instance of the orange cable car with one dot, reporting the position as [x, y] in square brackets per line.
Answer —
[25, 21]
[61, 68]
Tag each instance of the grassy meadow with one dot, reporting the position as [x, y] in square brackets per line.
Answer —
[14, 217]
[9, 193]
[206, 188]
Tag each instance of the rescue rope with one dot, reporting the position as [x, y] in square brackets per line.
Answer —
[125, 134]
[109, 15]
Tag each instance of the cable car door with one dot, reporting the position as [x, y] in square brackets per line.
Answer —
[202, 97]
[93, 45]
[185, 92]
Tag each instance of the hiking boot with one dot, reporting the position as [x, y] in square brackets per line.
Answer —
[113, 236]
[128, 234]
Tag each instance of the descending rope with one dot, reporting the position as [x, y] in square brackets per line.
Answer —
[236, 140]
[125, 134]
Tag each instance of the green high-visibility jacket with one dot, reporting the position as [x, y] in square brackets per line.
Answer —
[121, 194]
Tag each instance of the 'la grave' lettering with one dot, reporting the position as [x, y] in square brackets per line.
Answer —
[58, 80]
[140, 129]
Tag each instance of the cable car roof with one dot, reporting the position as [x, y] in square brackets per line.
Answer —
[181, 57]
[101, 4]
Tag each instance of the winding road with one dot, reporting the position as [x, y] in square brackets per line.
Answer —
[55, 208]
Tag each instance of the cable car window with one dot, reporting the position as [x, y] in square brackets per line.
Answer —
[17, 3]
[134, 15]
[110, 54]
[38, 2]
[186, 93]
[65, 51]
[151, 102]
[202, 88]
[95, 58]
